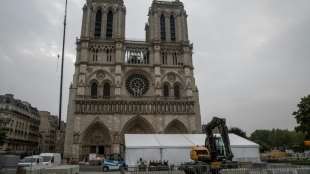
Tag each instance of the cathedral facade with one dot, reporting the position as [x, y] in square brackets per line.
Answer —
[127, 87]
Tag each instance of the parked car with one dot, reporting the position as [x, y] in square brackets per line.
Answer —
[113, 162]
[29, 161]
[51, 159]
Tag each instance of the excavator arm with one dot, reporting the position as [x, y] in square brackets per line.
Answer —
[218, 125]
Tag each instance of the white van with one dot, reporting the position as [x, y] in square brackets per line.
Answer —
[31, 161]
[51, 159]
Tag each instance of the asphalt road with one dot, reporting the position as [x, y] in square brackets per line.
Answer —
[8, 171]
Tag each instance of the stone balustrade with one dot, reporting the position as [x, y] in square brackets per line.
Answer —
[134, 107]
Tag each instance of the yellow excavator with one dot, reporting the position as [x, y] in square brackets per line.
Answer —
[307, 143]
[216, 154]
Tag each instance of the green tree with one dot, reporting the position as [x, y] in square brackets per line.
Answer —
[277, 138]
[261, 137]
[302, 116]
[238, 131]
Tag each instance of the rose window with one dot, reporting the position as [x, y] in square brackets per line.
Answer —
[137, 85]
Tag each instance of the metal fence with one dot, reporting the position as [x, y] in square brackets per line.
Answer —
[206, 170]
[268, 171]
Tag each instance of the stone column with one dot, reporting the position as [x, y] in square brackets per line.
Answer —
[88, 22]
[157, 56]
[119, 60]
[151, 27]
[104, 24]
[91, 24]
[116, 143]
[123, 22]
[186, 28]
[119, 24]
[179, 28]
[69, 153]
[114, 30]
[186, 56]
[84, 20]
[157, 70]
[156, 26]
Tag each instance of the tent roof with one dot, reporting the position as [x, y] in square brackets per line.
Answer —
[178, 140]
[170, 140]
[141, 140]
[238, 141]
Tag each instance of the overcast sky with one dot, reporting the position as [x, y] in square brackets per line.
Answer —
[251, 57]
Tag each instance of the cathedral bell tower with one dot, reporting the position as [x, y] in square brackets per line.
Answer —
[167, 22]
[104, 20]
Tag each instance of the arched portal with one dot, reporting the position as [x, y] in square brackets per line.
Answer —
[96, 140]
[138, 125]
[176, 127]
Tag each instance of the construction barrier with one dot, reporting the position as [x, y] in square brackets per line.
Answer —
[63, 169]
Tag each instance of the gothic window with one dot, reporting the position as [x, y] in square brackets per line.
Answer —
[163, 27]
[109, 25]
[166, 90]
[95, 55]
[94, 90]
[176, 90]
[172, 27]
[137, 56]
[164, 58]
[98, 23]
[175, 59]
[106, 90]
[109, 55]
[137, 85]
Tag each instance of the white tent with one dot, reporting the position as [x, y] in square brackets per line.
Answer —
[176, 147]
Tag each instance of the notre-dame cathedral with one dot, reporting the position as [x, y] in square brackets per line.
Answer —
[130, 87]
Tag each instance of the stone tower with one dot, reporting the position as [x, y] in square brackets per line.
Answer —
[122, 86]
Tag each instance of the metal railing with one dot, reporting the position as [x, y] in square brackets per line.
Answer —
[304, 170]
[205, 169]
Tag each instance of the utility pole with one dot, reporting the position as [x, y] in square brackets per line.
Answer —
[62, 64]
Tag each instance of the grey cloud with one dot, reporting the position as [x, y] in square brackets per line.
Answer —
[250, 57]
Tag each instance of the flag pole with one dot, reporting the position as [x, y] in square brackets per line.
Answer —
[62, 65]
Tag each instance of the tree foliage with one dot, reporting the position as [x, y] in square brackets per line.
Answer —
[302, 116]
[238, 131]
[277, 138]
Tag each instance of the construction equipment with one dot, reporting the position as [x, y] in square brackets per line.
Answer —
[218, 144]
[277, 155]
[307, 143]
[216, 154]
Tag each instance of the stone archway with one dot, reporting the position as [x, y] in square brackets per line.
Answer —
[176, 127]
[138, 125]
[96, 139]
